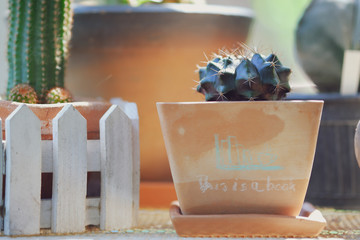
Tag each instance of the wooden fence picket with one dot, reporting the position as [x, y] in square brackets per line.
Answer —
[69, 171]
[23, 173]
[116, 170]
[131, 111]
[93, 155]
[69, 156]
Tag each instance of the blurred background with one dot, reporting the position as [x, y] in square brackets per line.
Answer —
[149, 53]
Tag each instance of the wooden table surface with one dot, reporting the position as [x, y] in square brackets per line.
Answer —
[156, 224]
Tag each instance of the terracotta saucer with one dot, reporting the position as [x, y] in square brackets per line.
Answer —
[309, 224]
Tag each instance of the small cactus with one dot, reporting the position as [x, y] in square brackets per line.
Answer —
[235, 77]
[23, 93]
[58, 95]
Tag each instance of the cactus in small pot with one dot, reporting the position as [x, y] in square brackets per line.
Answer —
[237, 77]
[37, 45]
[225, 157]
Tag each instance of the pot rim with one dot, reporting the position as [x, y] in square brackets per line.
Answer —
[211, 9]
[92, 111]
[55, 105]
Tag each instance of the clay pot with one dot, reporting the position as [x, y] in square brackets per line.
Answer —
[91, 111]
[241, 157]
[143, 54]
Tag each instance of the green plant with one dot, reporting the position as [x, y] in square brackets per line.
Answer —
[37, 44]
[324, 32]
[58, 95]
[23, 93]
[236, 77]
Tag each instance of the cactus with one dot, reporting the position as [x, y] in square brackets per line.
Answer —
[23, 93]
[37, 44]
[58, 95]
[235, 77]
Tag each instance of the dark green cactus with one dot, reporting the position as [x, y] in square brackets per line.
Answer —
[37, 45]
[232, 77]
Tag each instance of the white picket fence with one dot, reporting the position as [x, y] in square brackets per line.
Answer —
[69, 156]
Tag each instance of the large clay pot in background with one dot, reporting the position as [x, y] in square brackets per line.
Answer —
[148, 54]
[241, 157]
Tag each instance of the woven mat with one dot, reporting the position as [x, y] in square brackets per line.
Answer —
[340, 223]
[156, 223]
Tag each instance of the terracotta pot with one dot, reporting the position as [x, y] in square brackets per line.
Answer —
[91, 111]
[143, 54]
[241, 157]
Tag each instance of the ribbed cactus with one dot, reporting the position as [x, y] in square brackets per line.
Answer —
[235, 77]
[37, 45]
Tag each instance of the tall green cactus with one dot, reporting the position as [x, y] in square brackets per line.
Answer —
[37, 45]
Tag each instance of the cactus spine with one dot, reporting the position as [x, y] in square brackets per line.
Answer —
[236, 77]
[37, 46]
